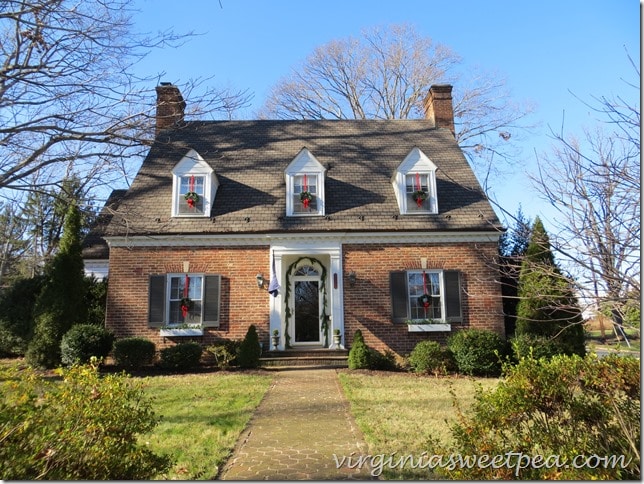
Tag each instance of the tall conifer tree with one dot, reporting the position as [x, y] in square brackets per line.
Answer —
[61, 304]
[547, 305]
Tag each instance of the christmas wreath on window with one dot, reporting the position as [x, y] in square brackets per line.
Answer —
[424, 300]
[305, 198]
[192, 198]
[419, 196]
[186, 306]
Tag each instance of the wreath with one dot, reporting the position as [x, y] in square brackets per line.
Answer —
[305, 198]
[425, 300]
[419, 196]
[186, 305]
[192, 198]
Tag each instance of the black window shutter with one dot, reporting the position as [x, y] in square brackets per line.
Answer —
[398, 290]
[211, 295]
[454, 314]
[156, 301]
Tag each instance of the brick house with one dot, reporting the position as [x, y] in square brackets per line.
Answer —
[355, 220]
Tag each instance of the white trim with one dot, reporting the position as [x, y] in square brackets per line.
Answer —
[305, 163]
[301, 241]
[415, 162]
[99, 268]
[428, 328]
[193, 164]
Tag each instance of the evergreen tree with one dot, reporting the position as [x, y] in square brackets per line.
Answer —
[547, 305]
[512, 248]
[62, 301]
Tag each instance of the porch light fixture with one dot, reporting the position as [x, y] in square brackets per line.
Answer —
[260, 280]
[352, 278]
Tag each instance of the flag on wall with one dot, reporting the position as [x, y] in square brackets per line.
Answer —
[274, 286]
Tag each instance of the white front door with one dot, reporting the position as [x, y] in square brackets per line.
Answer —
[307, 306]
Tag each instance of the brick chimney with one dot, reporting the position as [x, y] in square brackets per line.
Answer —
[439, 108]
[170, 106]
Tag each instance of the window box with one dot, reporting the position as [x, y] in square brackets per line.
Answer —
[181, 332]
[427, 328]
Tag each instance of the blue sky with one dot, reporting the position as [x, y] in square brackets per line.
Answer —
[545, 49]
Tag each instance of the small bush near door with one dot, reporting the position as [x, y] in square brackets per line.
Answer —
[249, 350]
[359, 353]
[134, 353]
[183, 356]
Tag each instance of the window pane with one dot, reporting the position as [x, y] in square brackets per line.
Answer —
[194, 184]
[177, 285]
[416, 289]
[414, 183]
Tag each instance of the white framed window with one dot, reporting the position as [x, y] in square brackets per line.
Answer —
[194, 185]
[425, 295]
[178, 299]
[430, 294]
[305, 194]
[185, 296]
[414, 184]
[304, 185]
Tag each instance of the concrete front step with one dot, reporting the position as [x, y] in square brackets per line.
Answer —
[312, 358]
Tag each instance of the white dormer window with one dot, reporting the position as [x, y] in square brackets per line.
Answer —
[415, 184]
[305, 185]
[194, 185]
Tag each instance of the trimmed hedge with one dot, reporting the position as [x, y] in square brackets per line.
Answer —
[183, 356]
[249, 349]
[83, 341]
[477, 352]
[133, 353]
[359, 353]
[428, 357]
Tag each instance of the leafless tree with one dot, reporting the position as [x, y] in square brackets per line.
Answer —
[69, 101]
[594, 184]
[386, 74]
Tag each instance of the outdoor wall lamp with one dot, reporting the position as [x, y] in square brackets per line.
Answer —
[352, 278]
[260, 280]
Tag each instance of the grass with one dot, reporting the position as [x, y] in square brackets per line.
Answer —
[201, 418]
[401, 413]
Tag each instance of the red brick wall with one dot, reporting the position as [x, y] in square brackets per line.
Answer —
[368, 303]
[242, 303]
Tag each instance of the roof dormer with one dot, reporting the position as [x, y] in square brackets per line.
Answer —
[305, 185]
[194, 185]
[414, 183]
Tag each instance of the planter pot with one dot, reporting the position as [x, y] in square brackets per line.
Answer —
[182, 332]
[275, 340]
[337, 340]
[424, 328]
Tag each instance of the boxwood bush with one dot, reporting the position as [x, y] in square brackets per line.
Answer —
[428, 357]
[477, 352]
[133, 353]
[83, 341]
[359, 353]
[249, 350]
[183, 356]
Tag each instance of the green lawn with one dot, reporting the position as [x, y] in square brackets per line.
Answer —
[399, 412]
[201, 418]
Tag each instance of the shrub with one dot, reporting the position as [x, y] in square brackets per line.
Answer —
[10, 344]
[83, 341]
[428, 357]
[86, 427]
[529, 345]
[183, 356]
[382, 361]
[359, 353]
[249, 349]
[134, 352]
[44, 348]
[477, 351]
[225, 353]
[17, 314]
[567, 406]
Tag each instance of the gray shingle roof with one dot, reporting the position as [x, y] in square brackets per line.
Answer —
[94, 246]
[249, 158]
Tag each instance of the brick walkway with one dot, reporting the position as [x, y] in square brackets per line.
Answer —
[302, 422]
